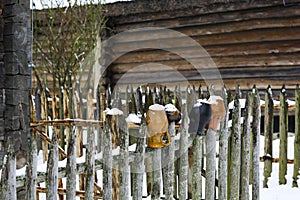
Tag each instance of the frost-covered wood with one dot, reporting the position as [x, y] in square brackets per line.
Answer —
[245, 162]
[283, 132]
[223, 151]
[197, 167]
[297, 138]
[256, 144]
[235, 154]
[168, 167]
[210, 164]
[124, 161]
[269, 120]
[138, 167]
[8, 176]
[183, 166]
[52, 169]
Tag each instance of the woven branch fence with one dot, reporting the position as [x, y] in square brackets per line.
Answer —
[93, 155]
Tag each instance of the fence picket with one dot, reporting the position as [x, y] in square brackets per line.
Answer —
[235, 157]
[90, 162]
[183, 166]
[168, 158]
[124, 161]
[31, 169]
[297, 138]
[268, 136]
[71, 166]
[283, 126]
[245, 154]
[107, 162]
[256, 144]
[223, 150]
[52, 169]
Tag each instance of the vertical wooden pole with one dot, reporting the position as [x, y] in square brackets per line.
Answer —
[107, 162]
[210, 183]
[169, 157]
[297, 138]
[235, 140]
[8, 176]
[156, 174]
[283, 136]
[223, 150]
[31, 170]
[124, 161]
[197, 167]
[71, 152]
[90, 162]
[269, 120]
[245, 155]
[183, 166]
[138, 167]
[52, 169]
[44, 117]
[256, 144]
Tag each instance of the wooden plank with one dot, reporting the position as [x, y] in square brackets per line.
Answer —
[268, 132]
[107, 160]
[156, 174]
[283, 132]
[71, 166]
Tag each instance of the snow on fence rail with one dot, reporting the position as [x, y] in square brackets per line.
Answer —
[117, 149]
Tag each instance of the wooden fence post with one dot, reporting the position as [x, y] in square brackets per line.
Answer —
[245, 142]
[124, 161]
[223, 150]
[197, 167]
[183, 166]
[52, 169]
[8, 176]
[156, 174]
[256, 143]
[168, 167]
[138, 166]
[71, 151]
[283, 136]
[31, 170]
[297, 138]
[90, 162]
[269, 120]
[235, 157]
[107, 162]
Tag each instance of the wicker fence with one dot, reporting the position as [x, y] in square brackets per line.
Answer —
[93, 155]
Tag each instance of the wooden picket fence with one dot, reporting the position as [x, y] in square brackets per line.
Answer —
[117, 150]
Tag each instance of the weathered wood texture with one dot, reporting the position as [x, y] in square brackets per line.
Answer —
[247, 40]
[297, 138]
[268, 132]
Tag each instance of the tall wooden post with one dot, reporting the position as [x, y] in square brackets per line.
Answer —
[283, 136]
[297, 138]
[268, 136]
[17, 54]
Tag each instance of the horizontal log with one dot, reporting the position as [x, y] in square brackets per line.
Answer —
[168, 41]
[182, 8]
[214, 23]
[269, 47]
[264, 60]
[66, 122]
